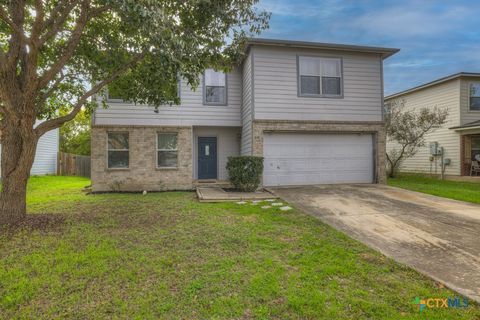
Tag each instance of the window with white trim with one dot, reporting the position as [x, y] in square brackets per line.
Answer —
[118, 150]
[320, 77]
[215, 87]
[475, 96]
[167, 150]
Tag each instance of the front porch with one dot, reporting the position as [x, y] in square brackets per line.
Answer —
[470, 152]
[469, 147]
[212, 183]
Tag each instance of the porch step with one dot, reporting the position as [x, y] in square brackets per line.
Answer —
[217, 194]
[212, 183]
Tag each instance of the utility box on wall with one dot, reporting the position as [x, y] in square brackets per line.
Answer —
[434, 149]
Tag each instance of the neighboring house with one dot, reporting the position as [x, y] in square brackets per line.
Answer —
[460, 135]
[314, 111]
[46, 153]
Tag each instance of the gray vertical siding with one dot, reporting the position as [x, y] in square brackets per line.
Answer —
[276, 95]
[191, 111]
[247, 105]
[228, 144]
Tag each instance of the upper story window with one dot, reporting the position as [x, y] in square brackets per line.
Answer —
[319, 77]
[475, 96]
[215, 88]
[118, 150]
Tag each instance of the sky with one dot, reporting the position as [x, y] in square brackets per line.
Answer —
[436, 38]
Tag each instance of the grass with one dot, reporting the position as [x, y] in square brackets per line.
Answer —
[166, 256]
[464, 191]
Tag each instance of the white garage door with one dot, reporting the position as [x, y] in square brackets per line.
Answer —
[302, 159]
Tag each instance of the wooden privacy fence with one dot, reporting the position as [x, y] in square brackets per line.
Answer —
[73, 165]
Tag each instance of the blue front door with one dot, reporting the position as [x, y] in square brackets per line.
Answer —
[207, 158]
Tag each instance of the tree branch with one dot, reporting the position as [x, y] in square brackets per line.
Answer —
[391, 173]
[52, 89]
[37, 25]
[69, 49]
[58, 122]
[54, 25]
[18, 30]
[51, 18]
[17, 39]
[72, 44]
[3, 57]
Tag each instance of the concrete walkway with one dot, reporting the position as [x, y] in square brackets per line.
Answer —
[217, 194]
[436, 236]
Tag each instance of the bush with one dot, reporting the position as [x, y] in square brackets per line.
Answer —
[245, 172]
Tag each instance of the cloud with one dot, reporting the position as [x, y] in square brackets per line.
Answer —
[436, 38]
[414, 63]
[412, 19]
[303, 8]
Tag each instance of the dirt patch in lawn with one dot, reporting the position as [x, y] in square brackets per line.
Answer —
[37, 222]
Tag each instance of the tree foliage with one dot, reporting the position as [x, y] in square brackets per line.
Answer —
[50, 50]
[406, 129]
[75, 135]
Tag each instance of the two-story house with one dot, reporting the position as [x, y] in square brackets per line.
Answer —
[459, 136]
[314, 111]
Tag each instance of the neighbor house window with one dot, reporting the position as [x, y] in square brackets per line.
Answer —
[167, 150]
[215, 87]
[118, 150]
[475, 96]
[320, 77]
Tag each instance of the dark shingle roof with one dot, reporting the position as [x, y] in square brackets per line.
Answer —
[434, 82]
[468, 125]
[385, 52]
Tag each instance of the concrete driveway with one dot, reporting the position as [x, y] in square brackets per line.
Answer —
[436, 236]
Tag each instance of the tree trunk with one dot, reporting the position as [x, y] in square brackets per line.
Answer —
[18, 152]
[390, 169]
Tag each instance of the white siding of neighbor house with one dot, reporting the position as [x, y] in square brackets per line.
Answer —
[191, 111]
[228, 144]
[467, 115]
[247, 105]
[276, 94]
[444, 95]
[46, 154]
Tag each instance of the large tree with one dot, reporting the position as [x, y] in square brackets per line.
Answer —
[50, 50]
[407, 129]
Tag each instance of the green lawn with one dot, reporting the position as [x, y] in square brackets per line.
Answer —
[166, 256]
[464, 191]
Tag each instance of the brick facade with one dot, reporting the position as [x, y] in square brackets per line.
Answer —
[142, 173]
[375, 128]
